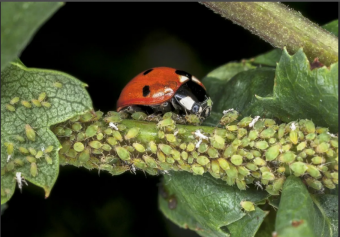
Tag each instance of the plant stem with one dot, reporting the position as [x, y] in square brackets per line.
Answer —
[281, 26]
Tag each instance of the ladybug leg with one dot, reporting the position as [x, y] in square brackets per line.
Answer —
[163, 108]
[133, 108]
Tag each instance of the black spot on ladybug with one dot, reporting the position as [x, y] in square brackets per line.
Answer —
[147, 71]
[146, 90]
[183, 73]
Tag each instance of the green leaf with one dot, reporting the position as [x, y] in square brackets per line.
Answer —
[270, 58]
[300, 92]
[19, 22]
[66, 101]
[332, 27]
[295, 216]
[239, 92]
[209, 206]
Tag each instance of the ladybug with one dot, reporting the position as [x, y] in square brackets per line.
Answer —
[164, 89]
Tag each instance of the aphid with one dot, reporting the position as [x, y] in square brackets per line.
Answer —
[14, 100]
[26, 104]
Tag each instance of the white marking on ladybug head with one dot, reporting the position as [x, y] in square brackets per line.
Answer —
[187, 102]
[168, 90]
[183, 79]
[196, 80]
[158, 94]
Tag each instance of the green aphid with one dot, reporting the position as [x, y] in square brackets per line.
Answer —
[165, 166]
[302, 155]
[114, 118]
[10, 107]
[10, 147]
[265, 169]
[123, 153]
[78, 147]
[36, 103]
[311, 136]
[335, 176]
[84, 156]
[229, 117]
[241, 184]
[327, 174]
[57, 84]
[46, 104]
[287, 157]
[71, 153]
[190, 147]
[10, 166]
[32, 151]
[323, 168]
[309, 126]
[18, 162]
[236, 159]
[77, 127]
[86, 117]
[241, 132]
[108, 131]
[262, 145]
[317, 160]
[322, 147]
[197, 169]
[23, 150]
[248, 206]
[269, 122]
[161, 134]
[165, 122]
[328, 183]
[334, 143]
[230, 181]
[251, 166]
[195, 154]
[59, 131]
[230, 136]
[271, 190]
[243, 171]
[170, 160]
[245, 122]
[34, 169]
[213, 153]
[167, 115]
[100, 136]
[249, 155]
[14, 100]
[150, 161]
[190, 159]
[232, 172]
[259, 125]
[139, 116]
[203, 147]
[278, 183]
[26, 104]
[42, 96]
[98, 115]
[293, 136]
[281, 131]
[30, 133]
[286, 147]
[313, 171]
[253, 134]
[273, 152]
[215, 166]
[153, 147]
[224, 164]
[301, 136]
[231, 128]
[31, 159]
[67, 132]
[139, 163]
[117, 135]
[298, 168]
[176, 155]
[129, 148]
[151, 171]
[192, 119]
[166, 149]
[112, 141]
[183, 146]
[48, 159]
[245, 142]
[301, 146]
[267, 133]
[160, 156]
[91, 130]
[95, 144]
[170, 138]
[313, 183]
[281, 170]
[139, 147]
[185, 167]
[202, 160]
[81, 136]
[320, 130]
[184, 155]
[229, 151]
[39, 154]
[218, 142]
[75, 118]
[259, 161]
[256, 153]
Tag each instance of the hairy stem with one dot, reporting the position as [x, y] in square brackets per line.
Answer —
[281, 26]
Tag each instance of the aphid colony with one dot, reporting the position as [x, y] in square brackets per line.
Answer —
[241, 152]
[36, 102]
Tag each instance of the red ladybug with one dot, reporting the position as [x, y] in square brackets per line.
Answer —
[164, 89]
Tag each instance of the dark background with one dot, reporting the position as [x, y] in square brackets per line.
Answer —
[105, 45]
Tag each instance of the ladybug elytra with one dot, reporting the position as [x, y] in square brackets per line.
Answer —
[164, 89]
